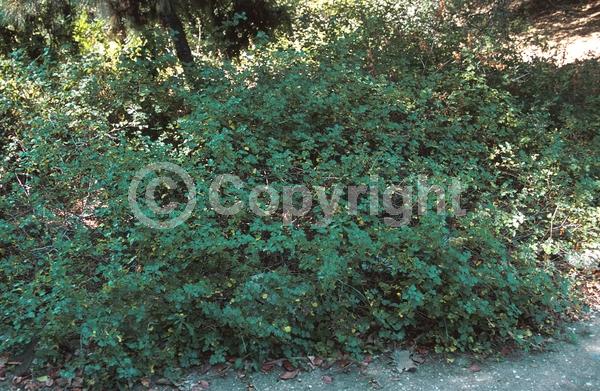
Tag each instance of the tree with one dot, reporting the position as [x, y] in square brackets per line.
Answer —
[33, 24]
[233, 21]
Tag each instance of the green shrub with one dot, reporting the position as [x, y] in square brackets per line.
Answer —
[79, 275]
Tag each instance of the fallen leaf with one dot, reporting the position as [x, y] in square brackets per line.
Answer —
[145, 382]
[202, 385]
[315, 361]
[327, 379]
[474, 368]
[267, 367]
[288, 366]
[288, 375]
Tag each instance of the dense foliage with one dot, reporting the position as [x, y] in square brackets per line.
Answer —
[356, 89]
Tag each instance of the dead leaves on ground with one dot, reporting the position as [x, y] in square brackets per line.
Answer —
[267, 367]
[474, 368]
[287, 365]
[201, 385]
[315, 362]
[29, 382]
[290, 371]
[288, 375]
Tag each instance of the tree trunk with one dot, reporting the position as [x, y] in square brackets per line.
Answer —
[182, 46]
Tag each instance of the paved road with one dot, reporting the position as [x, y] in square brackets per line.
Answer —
[564, 366]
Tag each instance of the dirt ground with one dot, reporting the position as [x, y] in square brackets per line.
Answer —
[566, 31]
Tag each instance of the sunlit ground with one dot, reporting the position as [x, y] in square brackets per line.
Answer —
[566, 33]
